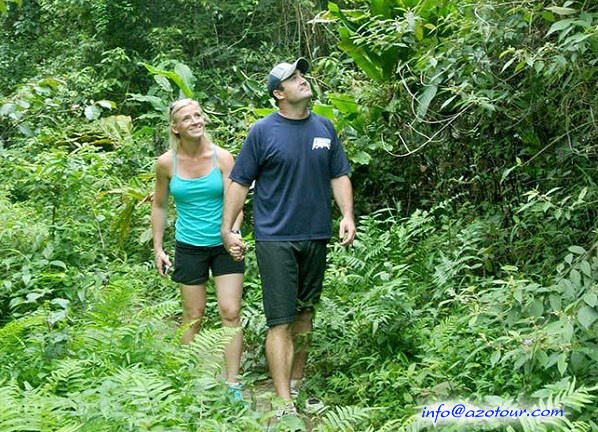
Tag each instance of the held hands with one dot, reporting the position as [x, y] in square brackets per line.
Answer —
[346, 232]
[234, 245]
[162, 263]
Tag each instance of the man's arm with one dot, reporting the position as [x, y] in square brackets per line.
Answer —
[343, 195]
[233, 205]
[226, 163]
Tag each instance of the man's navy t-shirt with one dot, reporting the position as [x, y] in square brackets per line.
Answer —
[292, 162]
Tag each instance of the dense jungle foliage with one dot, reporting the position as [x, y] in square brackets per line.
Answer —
[471, 127]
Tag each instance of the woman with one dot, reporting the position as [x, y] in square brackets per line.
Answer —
[195, 172]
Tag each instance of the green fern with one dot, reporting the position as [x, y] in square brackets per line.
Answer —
[160, 310]
[10, 333]
[343, 419]
[205, 351]
[570, 397]
[11, 418]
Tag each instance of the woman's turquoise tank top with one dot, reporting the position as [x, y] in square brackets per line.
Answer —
[199, 203]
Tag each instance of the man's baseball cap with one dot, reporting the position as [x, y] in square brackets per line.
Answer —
[282, 71]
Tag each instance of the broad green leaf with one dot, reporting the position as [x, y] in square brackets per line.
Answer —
[324, 110]
[63, 303]
[425, 99]
[562, 363]
[560, 25]
[575, 278]
[92, 112]
[361, 157]
[106, 104]
[537, 308]
[552, 359]
[183, 71]
[568, 331]
[3, 8]
[380, 7]
[585, 268]
[58, 263]
[7, 109]
[163, 82]
[366, 65]
[25, 130]
[181, 76]
[157, 103]
[561, 10]
[343, 102]
[448, 101]
[577, 250]
[577, 38]
[586, 316]
[495, 357]
[591, 299]
[520, 361]
[50, 82]
[555, 302]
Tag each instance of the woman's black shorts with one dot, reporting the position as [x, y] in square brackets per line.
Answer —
[192, 263]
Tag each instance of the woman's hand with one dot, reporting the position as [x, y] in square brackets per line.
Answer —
[162, 263]
[233, 243]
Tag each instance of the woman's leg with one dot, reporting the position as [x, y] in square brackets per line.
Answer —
[229, 289]
[194, 305]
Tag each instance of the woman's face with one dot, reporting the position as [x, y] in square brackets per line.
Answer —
[188, 122]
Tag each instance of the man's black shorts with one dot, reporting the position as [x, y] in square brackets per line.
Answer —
[192, 263]
[292, 273]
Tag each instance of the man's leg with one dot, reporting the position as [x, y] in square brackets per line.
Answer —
[229, 289]
[312, 265]
[194, 304]
[279, 351]
[301, 330]
[278, 266]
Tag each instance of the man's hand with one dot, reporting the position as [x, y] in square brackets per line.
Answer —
[162, 263]
[346, 232]
[233, 243]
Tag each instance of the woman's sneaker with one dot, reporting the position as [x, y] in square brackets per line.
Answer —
[235, 392]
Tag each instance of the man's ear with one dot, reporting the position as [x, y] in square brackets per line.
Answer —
[278, 94]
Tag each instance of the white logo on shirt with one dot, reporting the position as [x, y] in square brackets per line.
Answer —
[321, 143]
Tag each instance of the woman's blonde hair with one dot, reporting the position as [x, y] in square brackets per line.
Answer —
[175, 140]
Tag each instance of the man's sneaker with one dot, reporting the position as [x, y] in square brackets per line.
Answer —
[235, 392]
[288, 410]
[287, 420]
[294, 393]
[314, 406]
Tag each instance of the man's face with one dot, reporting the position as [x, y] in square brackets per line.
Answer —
[295, 88]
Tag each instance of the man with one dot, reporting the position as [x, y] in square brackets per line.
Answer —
[295, 158]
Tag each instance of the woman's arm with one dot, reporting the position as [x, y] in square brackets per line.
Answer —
[160, 210]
